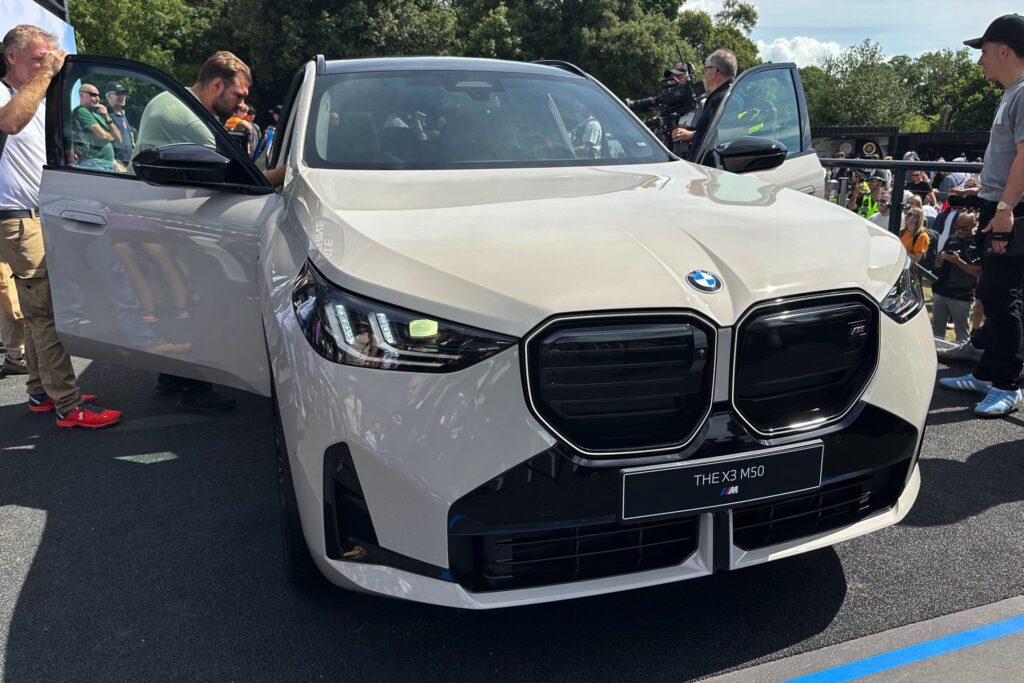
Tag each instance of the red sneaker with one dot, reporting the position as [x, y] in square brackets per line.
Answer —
[89, 416]
[44, 404]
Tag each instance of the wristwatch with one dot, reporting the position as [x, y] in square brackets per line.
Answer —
[1003, 206]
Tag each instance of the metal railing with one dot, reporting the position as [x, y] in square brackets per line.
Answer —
[899, 169]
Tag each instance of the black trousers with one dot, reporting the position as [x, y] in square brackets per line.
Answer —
[1001, 289]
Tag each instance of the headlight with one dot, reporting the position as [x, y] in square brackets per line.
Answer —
[906, 297]
[348, 329]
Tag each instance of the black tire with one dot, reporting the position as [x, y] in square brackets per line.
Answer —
[299, 565]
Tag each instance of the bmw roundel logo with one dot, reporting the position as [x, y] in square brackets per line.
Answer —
[704, 281]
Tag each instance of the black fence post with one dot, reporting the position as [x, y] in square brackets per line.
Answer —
[899, 183]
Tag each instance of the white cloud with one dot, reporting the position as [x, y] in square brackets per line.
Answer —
[710, 6]
[800, 49]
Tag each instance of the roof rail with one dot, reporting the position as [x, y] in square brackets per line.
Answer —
[321, 65]
[563, 65]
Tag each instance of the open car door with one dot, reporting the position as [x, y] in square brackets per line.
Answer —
[768, 102]
[153, 245]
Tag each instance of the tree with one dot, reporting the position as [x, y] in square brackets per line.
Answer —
[867, 91]
[952, 90]
[728, 30]
[820, 92]
[738, 14]
[158, 32]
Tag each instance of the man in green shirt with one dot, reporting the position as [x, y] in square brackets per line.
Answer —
[95, 132]
[221, 88]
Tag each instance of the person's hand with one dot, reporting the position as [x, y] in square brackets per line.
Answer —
[940, 258]
[681, 134]
[954, 257]
[102, 111]
[1002, 222]
[53, 62]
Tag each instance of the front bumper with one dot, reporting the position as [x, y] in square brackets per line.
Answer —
[423, 447]
[398, 583]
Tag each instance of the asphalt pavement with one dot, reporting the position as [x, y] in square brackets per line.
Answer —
[151, 551]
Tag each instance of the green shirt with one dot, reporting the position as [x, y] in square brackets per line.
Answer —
[167, 121]
[88, 146]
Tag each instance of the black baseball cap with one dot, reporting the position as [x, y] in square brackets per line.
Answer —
[277, 110]
[1008, 29]
[676, 70]
[113, 86]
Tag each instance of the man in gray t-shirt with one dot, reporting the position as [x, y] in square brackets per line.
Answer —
[1002, 188]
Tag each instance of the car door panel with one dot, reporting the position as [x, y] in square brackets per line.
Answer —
[158, 277]
[768, 101]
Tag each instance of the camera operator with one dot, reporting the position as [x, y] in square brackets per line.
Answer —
[957, 267]
[719, 71]
[1002, 187]
[677, 106]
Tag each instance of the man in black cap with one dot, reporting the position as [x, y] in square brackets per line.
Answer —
[1002, 188]
[117, 97]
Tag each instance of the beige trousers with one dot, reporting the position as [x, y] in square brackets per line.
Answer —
[12, 326]
[49, 365]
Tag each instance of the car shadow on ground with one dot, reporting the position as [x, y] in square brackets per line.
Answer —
[159, 557]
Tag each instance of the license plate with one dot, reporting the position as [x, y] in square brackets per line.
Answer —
[719, 483]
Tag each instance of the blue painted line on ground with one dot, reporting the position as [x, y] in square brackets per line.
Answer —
[915, 653]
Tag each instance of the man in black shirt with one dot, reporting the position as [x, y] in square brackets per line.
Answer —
[919, 184]
[719, 71]
[957, 266]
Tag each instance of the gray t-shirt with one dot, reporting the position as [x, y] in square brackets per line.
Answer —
[1007, 132]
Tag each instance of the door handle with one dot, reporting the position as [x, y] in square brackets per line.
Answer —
[83, 217]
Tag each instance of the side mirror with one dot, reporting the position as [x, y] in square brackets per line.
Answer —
[181, 164]
[748, 154]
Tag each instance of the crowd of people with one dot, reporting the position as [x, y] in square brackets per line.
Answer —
[938, 228]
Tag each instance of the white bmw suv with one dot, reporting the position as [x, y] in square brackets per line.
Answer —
[516, 350]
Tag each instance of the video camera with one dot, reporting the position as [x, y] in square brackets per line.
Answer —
[676, 103]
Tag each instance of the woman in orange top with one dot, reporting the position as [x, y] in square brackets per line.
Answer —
[914, 237]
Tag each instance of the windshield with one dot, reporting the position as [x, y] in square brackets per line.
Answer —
[462, 119]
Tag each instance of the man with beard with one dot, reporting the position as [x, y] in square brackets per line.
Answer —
[222, 86]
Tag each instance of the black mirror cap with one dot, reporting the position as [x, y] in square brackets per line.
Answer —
[185, 163]
[748, 154]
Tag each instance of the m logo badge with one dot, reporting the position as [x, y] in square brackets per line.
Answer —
[704, 281]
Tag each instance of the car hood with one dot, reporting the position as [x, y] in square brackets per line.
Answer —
[505, 249]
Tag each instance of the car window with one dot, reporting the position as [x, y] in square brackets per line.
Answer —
[763, 105]
[458, 119]
[112, 114]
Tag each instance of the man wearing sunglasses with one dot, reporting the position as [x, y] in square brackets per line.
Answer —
[881, 217]
[95, 133]
[719, 71]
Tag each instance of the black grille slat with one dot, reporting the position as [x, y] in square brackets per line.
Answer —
[621, 384]
[831, 507]
[637, 546]
[804, 360]
[506, 559]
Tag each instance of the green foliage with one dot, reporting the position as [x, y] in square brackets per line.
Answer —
[157, 32]
[624, 43]
[938, 91]
[727, 30]
[863, 90]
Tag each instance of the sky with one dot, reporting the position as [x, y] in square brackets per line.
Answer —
[809, 31]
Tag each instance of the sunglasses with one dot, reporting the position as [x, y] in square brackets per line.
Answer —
[90, 94]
